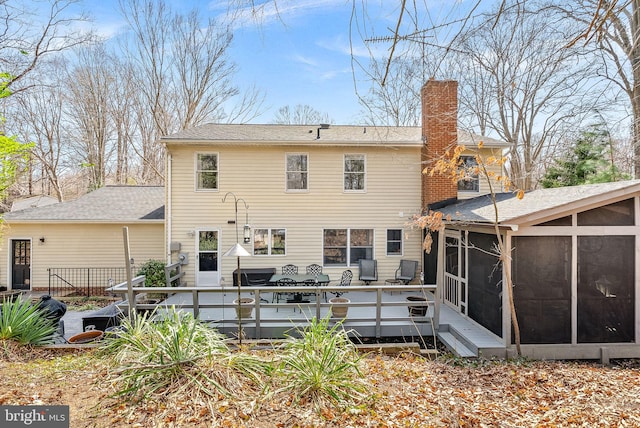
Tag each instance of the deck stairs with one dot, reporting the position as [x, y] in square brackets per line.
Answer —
[456, 342]
[467, 339]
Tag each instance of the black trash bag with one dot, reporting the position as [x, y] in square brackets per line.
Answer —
[52, 308]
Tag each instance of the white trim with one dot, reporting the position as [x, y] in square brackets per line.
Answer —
[286, 172]
[364, 173]
[386, 242]
[195, 171]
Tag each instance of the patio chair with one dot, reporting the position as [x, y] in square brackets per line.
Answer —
[289, 269]
[309, 283]
[368, 270]
[345, 281]
[283, 282]
[257, 282]
[406, 272]
[314, 269]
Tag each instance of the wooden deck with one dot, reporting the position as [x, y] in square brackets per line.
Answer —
[375, 311]
[365, 318]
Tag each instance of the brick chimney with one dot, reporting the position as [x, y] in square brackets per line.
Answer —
[439, 133]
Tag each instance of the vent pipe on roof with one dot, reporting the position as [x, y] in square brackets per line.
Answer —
[322, 126]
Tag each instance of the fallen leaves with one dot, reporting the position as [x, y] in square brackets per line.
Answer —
[405, 392]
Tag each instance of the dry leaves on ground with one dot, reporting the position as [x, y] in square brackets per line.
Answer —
[405, 391]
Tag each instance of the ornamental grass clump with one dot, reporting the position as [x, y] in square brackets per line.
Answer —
[23, 322]
[173, 353]
[322, 366]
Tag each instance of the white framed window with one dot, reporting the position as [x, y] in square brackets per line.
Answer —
[297, 172]
[206, 171]
[354, 173]
[471, 182]
[394, 242]
[270, 242]
[344, 247]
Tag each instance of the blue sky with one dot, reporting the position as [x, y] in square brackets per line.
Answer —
[304, 54]
[303, 59]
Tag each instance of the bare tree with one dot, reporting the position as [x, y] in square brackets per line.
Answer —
[613, 28]
[520, 83]
[88, 108]
[25, 41]
[183, 74]
[396, 101]
[300, 115]
[39, 118]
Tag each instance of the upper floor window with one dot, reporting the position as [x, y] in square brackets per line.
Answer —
[394, 242]
[354, 172]
[207, 171]
[471, 182]
[344, 247]
[297, 172]
[269, 242]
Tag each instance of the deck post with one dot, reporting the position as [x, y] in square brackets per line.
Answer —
[127, 262]
[196, 304]
[378, 313]
[257, 299]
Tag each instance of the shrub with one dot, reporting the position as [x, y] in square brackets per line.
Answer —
[173, 354]
[322, 366]
[25, 323]
[153, 271]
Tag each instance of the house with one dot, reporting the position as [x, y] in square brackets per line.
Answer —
[326, 194]
[574, 256]
[32, 202]
[69, 241]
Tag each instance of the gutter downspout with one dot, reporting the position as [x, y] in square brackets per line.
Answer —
[167, 208]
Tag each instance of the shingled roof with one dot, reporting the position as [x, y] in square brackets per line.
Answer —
[308, 134]
[536, 204]
[110, 204]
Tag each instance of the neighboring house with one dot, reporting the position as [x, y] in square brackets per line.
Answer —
[84, 233]
[574, 256]
[329, 195]
[33, 202]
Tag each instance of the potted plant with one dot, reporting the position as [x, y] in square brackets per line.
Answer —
[339, 306]
[245, 308]
[418, 310]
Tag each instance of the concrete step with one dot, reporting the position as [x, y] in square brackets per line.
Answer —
[455, 345]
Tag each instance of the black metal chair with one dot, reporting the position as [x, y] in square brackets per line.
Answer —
[289, 269]
[258, 282]
[406, 272]
[314, 269]
[345, 281]
[368, 270]
[254, 282]
[309, 283]
[283, 282]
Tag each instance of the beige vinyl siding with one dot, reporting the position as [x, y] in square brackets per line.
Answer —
[257, 175]
[80, 245]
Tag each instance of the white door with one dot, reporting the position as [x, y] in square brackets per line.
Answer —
[455, 291]
[208, 273]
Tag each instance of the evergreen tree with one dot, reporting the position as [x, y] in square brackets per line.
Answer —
[589, 161]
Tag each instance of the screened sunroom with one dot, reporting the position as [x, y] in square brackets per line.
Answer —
[574, 253]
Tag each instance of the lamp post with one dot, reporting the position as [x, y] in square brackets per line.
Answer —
[238, 251]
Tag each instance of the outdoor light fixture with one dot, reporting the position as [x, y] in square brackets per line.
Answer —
[246, 230]
[247, 233]
[42, 239]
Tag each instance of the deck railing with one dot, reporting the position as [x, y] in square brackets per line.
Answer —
[262, 294]
[84, 281]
